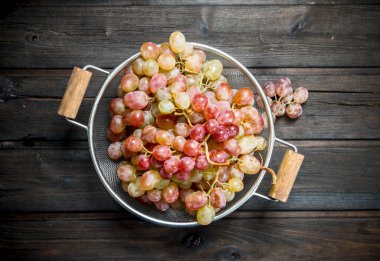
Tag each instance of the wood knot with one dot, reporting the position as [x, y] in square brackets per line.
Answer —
[192, 240]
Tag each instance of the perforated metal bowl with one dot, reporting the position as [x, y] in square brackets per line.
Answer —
[237, 76]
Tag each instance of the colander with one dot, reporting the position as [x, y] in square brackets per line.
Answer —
[237, 76]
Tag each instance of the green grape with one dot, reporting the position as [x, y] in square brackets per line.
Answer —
[150, 67]
[177, 42]
[205, 215]
[235, 185]
[182, 100]
[166, 107]
[213, 69]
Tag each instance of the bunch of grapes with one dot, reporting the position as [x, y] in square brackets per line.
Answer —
[282, 99]
[186, 137]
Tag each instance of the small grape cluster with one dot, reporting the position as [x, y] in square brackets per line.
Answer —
[187, 137]
[282, 99]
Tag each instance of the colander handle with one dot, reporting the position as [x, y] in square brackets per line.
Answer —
[74, 93]
[287, 173]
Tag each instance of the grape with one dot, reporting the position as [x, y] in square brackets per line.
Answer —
[125, 151]
[116, 125]
[196, 200]
[278, 108]
[149, 179]
[260, 102]
[283, 87]
[197, 132]
[203, 184]
[201, 162]
[233, 130]
[232, 147]
[162, 205]
[211, 112]
[182, 129]
[150, 67]
[148, 118]
[117, 106]
[230, 195]
[179, 78]
[205, 215]
[269, 89]
[148, 134]
[158, 81]
[211, 126]
[115, 137]
[163, 137]
[171, 164]
[300, 95]
[183, 176]
[133, 144]
[138, 65]
[244, 96]
[201, 54]
[221, 134]
[196, 118]
[223, 105]
[161, 152]
[192, 148]
[143, 162]
[218, 156]
[213, 69]
[136, 100]
[294, 110]
[183, 193]
[186, 164]
[137, 133]
[247, 144]
[149, 50]
[182, 100]
[162, 184]
[235, 172]
[195, 175]
[137, 118]
[211, 97]
[165, 121]
[192, 79]
[163, 94]
[193, 64]
[128, 70]
[199, 102]
[165, 48]
[241, 132]
[156, 163]
[187, 51]
[154, 195]
[223, 174]
[165, 175]
[177, 42]
[209, 174]
[235, 185]
[114, 151]
[166, 107]
[226, 117]
[239, 116]
[144, 199]
[119, 92]
[179, 143]
[129, 82]
[134, 188]
[178, 204]
[249, 164]
[177, 87]
[287, 98]
[166, 61]
[144, 85]
[218, 198]
[170, 193]
[223, 91]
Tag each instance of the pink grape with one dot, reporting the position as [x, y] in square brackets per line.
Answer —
[156, 163]
[201, 162]
[170, 193]
[283, 87]
[192, 148]
[144, 199]
[126, 172]
[154, 195]
[162, 205]
[196, 200]
[197, 132]
[129, 82]
[199, 102]
[171, 165]
[182, 129]
[117, 106]
[115, 137]
[163, 137]
[223, 174]
[150, 67]
[149, 50]
[211, 126]
[165, 121]
[149, 179]
[165, 48]
[117, 125]
[223, 91]
[300, 95]
[183, 193]
[114, 151]
[136, 100]
[183, 175]
[158, 81]
[138, 65]
[221, 134]
[161, 152]
[148, 134]
[260, 103]
[218, 156]
[235, 172]
[201, 54]
[186, 164]
[166, 61]
[179, 143]
[211, 97]
[232, 147]
[196, 118]
[193, 64]
[293, 110]
[137, 118]
[278, 108]
[223, 105]
[143, 162]
[269, 89]
[226, 117]
[144, 85]
[192, 91]
[165, 175]
[211, 112]
[233, 130]
[239, 116]
[218, 198]
[133, 144]
[249, 164]
[244, 96]
[179, 78]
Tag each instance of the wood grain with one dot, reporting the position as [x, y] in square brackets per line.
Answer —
[94, 236]
[259, 36]
[47, 182]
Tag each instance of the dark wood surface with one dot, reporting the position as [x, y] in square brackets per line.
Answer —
[54, 207]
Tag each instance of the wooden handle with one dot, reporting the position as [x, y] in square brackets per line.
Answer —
[76, 87]
[286, 175]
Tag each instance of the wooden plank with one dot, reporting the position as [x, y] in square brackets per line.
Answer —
[336, 175]
[326, 116]
[76, 237]
[259, 36]
[52, 83]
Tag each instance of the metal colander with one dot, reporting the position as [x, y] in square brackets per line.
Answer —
[237, 76]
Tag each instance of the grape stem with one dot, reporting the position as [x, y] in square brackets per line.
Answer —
[214, 182]
[208, 155]
[145, 150]
[187, 117]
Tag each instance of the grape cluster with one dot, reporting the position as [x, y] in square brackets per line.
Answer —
[282, 99]
[186, 137]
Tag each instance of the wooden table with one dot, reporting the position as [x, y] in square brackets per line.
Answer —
[54, 207]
